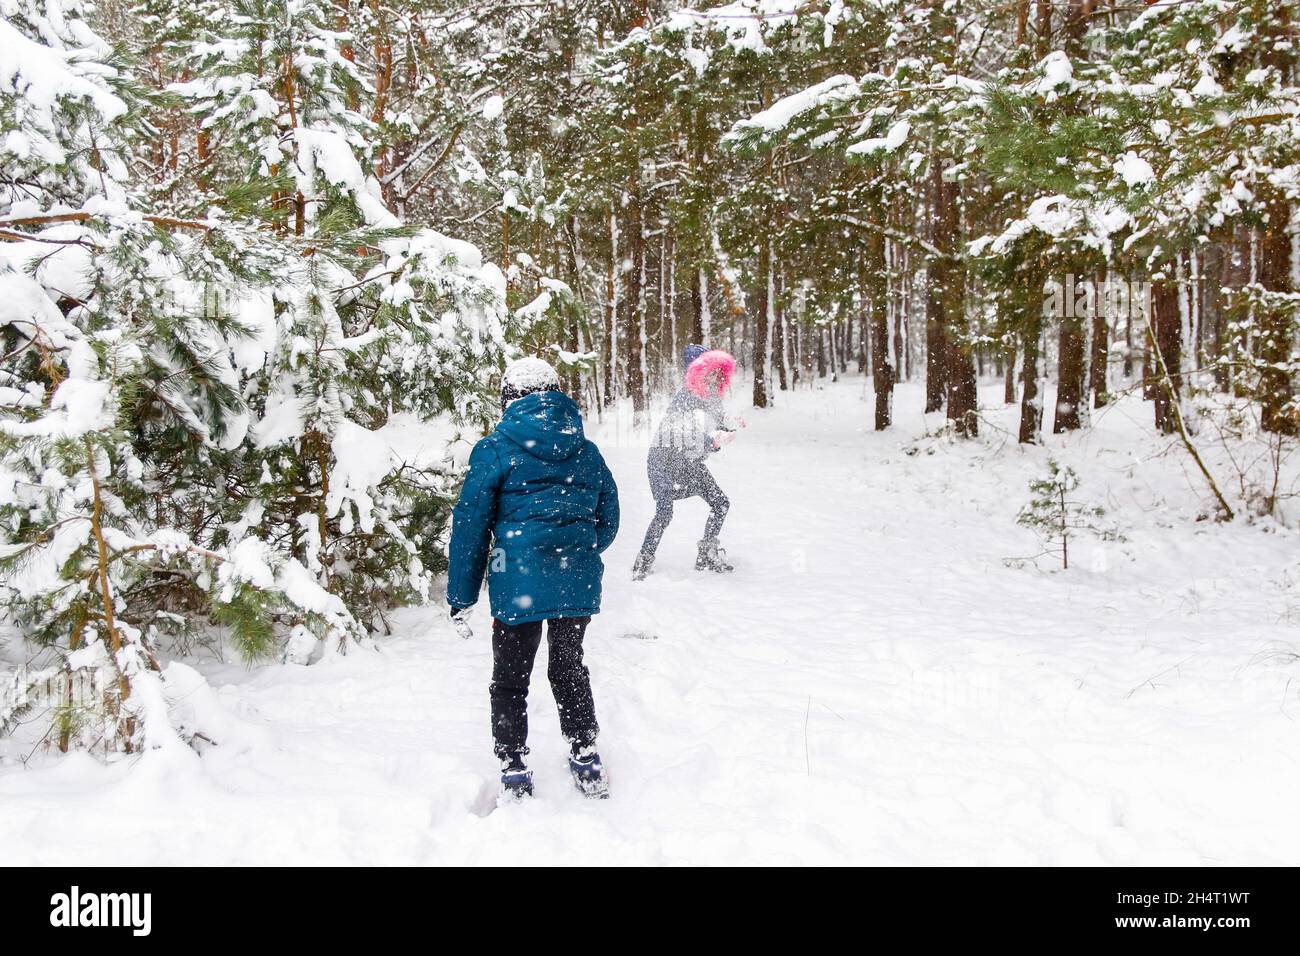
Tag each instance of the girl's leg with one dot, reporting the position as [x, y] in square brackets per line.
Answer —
[719, 504]
[654, 533]
[571, 681]
[514, 647]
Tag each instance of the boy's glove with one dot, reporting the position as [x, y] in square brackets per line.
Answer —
[460, 620]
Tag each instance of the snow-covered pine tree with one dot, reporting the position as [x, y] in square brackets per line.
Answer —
[193, 390]
[905, 123]
[78, 311]
[1180, 130]
[368, 318]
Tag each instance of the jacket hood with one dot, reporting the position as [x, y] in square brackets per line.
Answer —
[547, 425]
[711, 362]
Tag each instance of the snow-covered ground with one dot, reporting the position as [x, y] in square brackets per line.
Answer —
[874, 684]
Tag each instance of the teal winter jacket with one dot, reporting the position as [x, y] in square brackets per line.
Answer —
[538, 507]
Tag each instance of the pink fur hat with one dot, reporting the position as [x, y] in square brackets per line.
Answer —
[715, 360]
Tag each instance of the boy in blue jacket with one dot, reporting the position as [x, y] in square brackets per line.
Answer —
[537, 509]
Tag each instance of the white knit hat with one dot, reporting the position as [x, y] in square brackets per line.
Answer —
[525, 376]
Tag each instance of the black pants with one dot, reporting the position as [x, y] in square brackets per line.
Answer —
[698, 482]
[514, 647]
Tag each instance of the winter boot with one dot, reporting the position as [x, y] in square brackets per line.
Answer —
[516, 779]
[641, 566]
[588, 773]
[712, 558]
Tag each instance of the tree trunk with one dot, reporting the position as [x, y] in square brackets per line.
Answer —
[935, 340]
[1275, 324]
[942, 218]
[672, 345]
[778, 330]
[611, 309]
[762, 317]
[1217, 261]
[574, 335]
[1009, 361]
[876, 291]
[945, 301]
[963, 395]
[832, 356]
[864, 337]
[1130, 315]
[700, 306]
[636, 299]
[1098, 364]
[1070, 365]
[1166, 329]
[1031, 323]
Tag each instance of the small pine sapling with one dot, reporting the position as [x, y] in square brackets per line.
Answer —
[1053, 515]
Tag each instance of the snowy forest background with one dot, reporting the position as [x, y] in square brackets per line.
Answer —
[241, 239]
